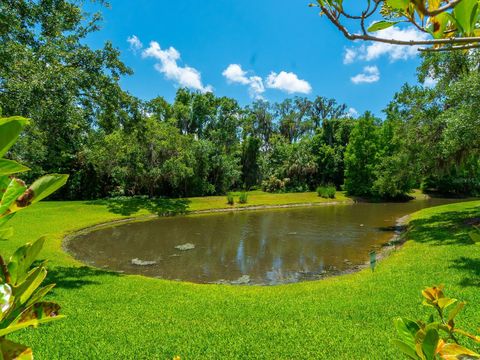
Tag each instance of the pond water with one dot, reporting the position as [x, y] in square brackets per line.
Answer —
[248, 247]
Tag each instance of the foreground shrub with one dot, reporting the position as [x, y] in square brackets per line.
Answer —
[326, 191]
[230, 199]
[21, 298]
[243, 199]
[435, 338]
[273, 184]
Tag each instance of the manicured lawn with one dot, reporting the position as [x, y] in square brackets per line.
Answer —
[260, 198]
[112, 316]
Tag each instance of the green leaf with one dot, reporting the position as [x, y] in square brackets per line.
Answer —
[13, 351]
[429, 344]
[4, 181]
[9, 167]
[42, 311]
[398, 4]
[405, 348]
[39, 294]
[40, 189]
[14, 189]
[22, 259]
[380, 25]
[443, 303]
[455, 311]
[6, 233]
[23, 291]
[406, 329]
[13, 328]
[464, 12]
[10, 129]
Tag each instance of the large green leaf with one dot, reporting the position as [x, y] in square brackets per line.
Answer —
[406, 329]
[4, 181]
[23, 291]
[10, 129]
[406, 348]
[381, 25]
[6, 232]
[42, 311]
[20, 326]
[13, 351]
[9, 167]
[40, 189]
[398, 4]
[14, 189]
[464, 13]
[429, 344]
[22, 259]
[39, 294]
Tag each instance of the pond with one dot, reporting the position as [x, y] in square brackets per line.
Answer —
[248, 247]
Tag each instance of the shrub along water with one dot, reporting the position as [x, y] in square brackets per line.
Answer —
[326, 191]
[243, 198]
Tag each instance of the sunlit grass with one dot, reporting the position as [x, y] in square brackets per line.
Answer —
[113, 316]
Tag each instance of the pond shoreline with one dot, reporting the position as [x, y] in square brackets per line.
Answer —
[70, 236]
[383, 250]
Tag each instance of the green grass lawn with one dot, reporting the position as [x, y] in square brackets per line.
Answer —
[113, 316]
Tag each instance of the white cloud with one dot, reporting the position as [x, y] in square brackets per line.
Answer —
[352, 112]
[370, 74]
[135, 43]
[167, 65]
[430, 82]
[288, 82]
[235, 74]
[350, 55]
[375, 50]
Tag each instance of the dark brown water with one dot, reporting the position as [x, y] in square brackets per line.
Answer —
[255, 247]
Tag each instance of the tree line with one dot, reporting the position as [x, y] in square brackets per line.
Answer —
[112, 143]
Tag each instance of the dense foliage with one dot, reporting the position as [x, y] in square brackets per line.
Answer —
[22, 301]
[114, 144]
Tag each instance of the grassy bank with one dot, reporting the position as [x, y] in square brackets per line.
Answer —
[135, 205]
[113, 316]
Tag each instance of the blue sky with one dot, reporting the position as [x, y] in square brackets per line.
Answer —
[281, 47]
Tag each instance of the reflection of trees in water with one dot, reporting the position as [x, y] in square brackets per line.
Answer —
[268, 246]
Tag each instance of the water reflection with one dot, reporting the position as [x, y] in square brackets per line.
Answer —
[258, 247]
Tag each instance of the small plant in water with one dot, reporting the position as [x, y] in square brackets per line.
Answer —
[230, 199]
[435, 338]
[326, 191]
[243, 199]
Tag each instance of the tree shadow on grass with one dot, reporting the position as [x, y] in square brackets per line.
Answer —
[447, 228]
[472, 267]
[75, 277]
[130, 205]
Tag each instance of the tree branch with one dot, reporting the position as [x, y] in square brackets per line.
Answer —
[450, 48]
[367, 37]
[442, 9]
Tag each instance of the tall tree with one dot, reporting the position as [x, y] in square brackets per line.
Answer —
[361, 157]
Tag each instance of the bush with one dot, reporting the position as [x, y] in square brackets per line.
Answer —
[22, 303]
[437, 337]
[243, 198]
[326, 191]
[230, 199]
[273, 184]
